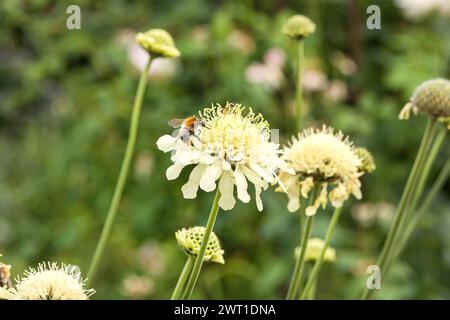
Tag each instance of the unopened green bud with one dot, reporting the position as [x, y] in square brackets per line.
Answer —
[298, 27]
[158, 42]
[432, 97]
[367, 161]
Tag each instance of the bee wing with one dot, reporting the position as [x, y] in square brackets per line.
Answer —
[175, 123]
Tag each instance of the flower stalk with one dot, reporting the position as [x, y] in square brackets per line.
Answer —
[299, 88]
[126, 163]
[182, 279]
[407, 197]
[414, 214]
[199, 259]
[300, 261]
[311, 283]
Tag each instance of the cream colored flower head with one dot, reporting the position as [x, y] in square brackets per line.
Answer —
[158, 42]
[298, 27]
[49, 282]
[314, 249]
[432, 98]
[191, 239]
[230, 147]
[324, 159]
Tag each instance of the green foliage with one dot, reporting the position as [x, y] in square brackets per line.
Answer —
[65, 103]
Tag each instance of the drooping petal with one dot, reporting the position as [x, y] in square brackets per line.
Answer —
[252, 176]
[241, 185]
[259, 203]
[294, 198]
[266, 175]
[226, 187]
[210, 176]
[173, 171]
[166, 143]
[191, 187]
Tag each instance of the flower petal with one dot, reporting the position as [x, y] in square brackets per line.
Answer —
[173, 171]
[210, 176]
[259, 203]
[166, 143]
[191, 187]
[226, 186]
[241, 185]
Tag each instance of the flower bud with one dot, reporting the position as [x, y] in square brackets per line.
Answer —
[367, 161]
[432, 97]
[158, 42]
[298, 27]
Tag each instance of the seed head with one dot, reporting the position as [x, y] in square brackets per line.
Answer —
[191, 240]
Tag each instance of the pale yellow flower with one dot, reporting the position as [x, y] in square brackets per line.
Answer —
[49, 282]
[313, 250]
[190, 240]
[324, 159]
[229, 148]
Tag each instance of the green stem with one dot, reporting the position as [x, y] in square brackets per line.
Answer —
[315, 271]
[424, 174]
[182, 279]
[419, 190]
[428, 200]
[100, 249]
[201, 254]
[312, 292]
[299, 88]
[300, 261]
[405, 199]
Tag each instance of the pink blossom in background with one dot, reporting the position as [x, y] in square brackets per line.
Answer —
[314, 80]
[274, 56]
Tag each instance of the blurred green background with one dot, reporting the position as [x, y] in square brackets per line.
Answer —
[65, 104]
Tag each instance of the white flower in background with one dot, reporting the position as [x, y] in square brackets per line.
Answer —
[417, 9]
[161, 68]
[230, 149]
[343, 63]
[324, 159]
[151, 257]
[314, 248]
[314, 80]
[49, 282]
[337, 91]
[143, 166]
[268, 74]
[367, 214]
[138, 287]
[241, 41]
